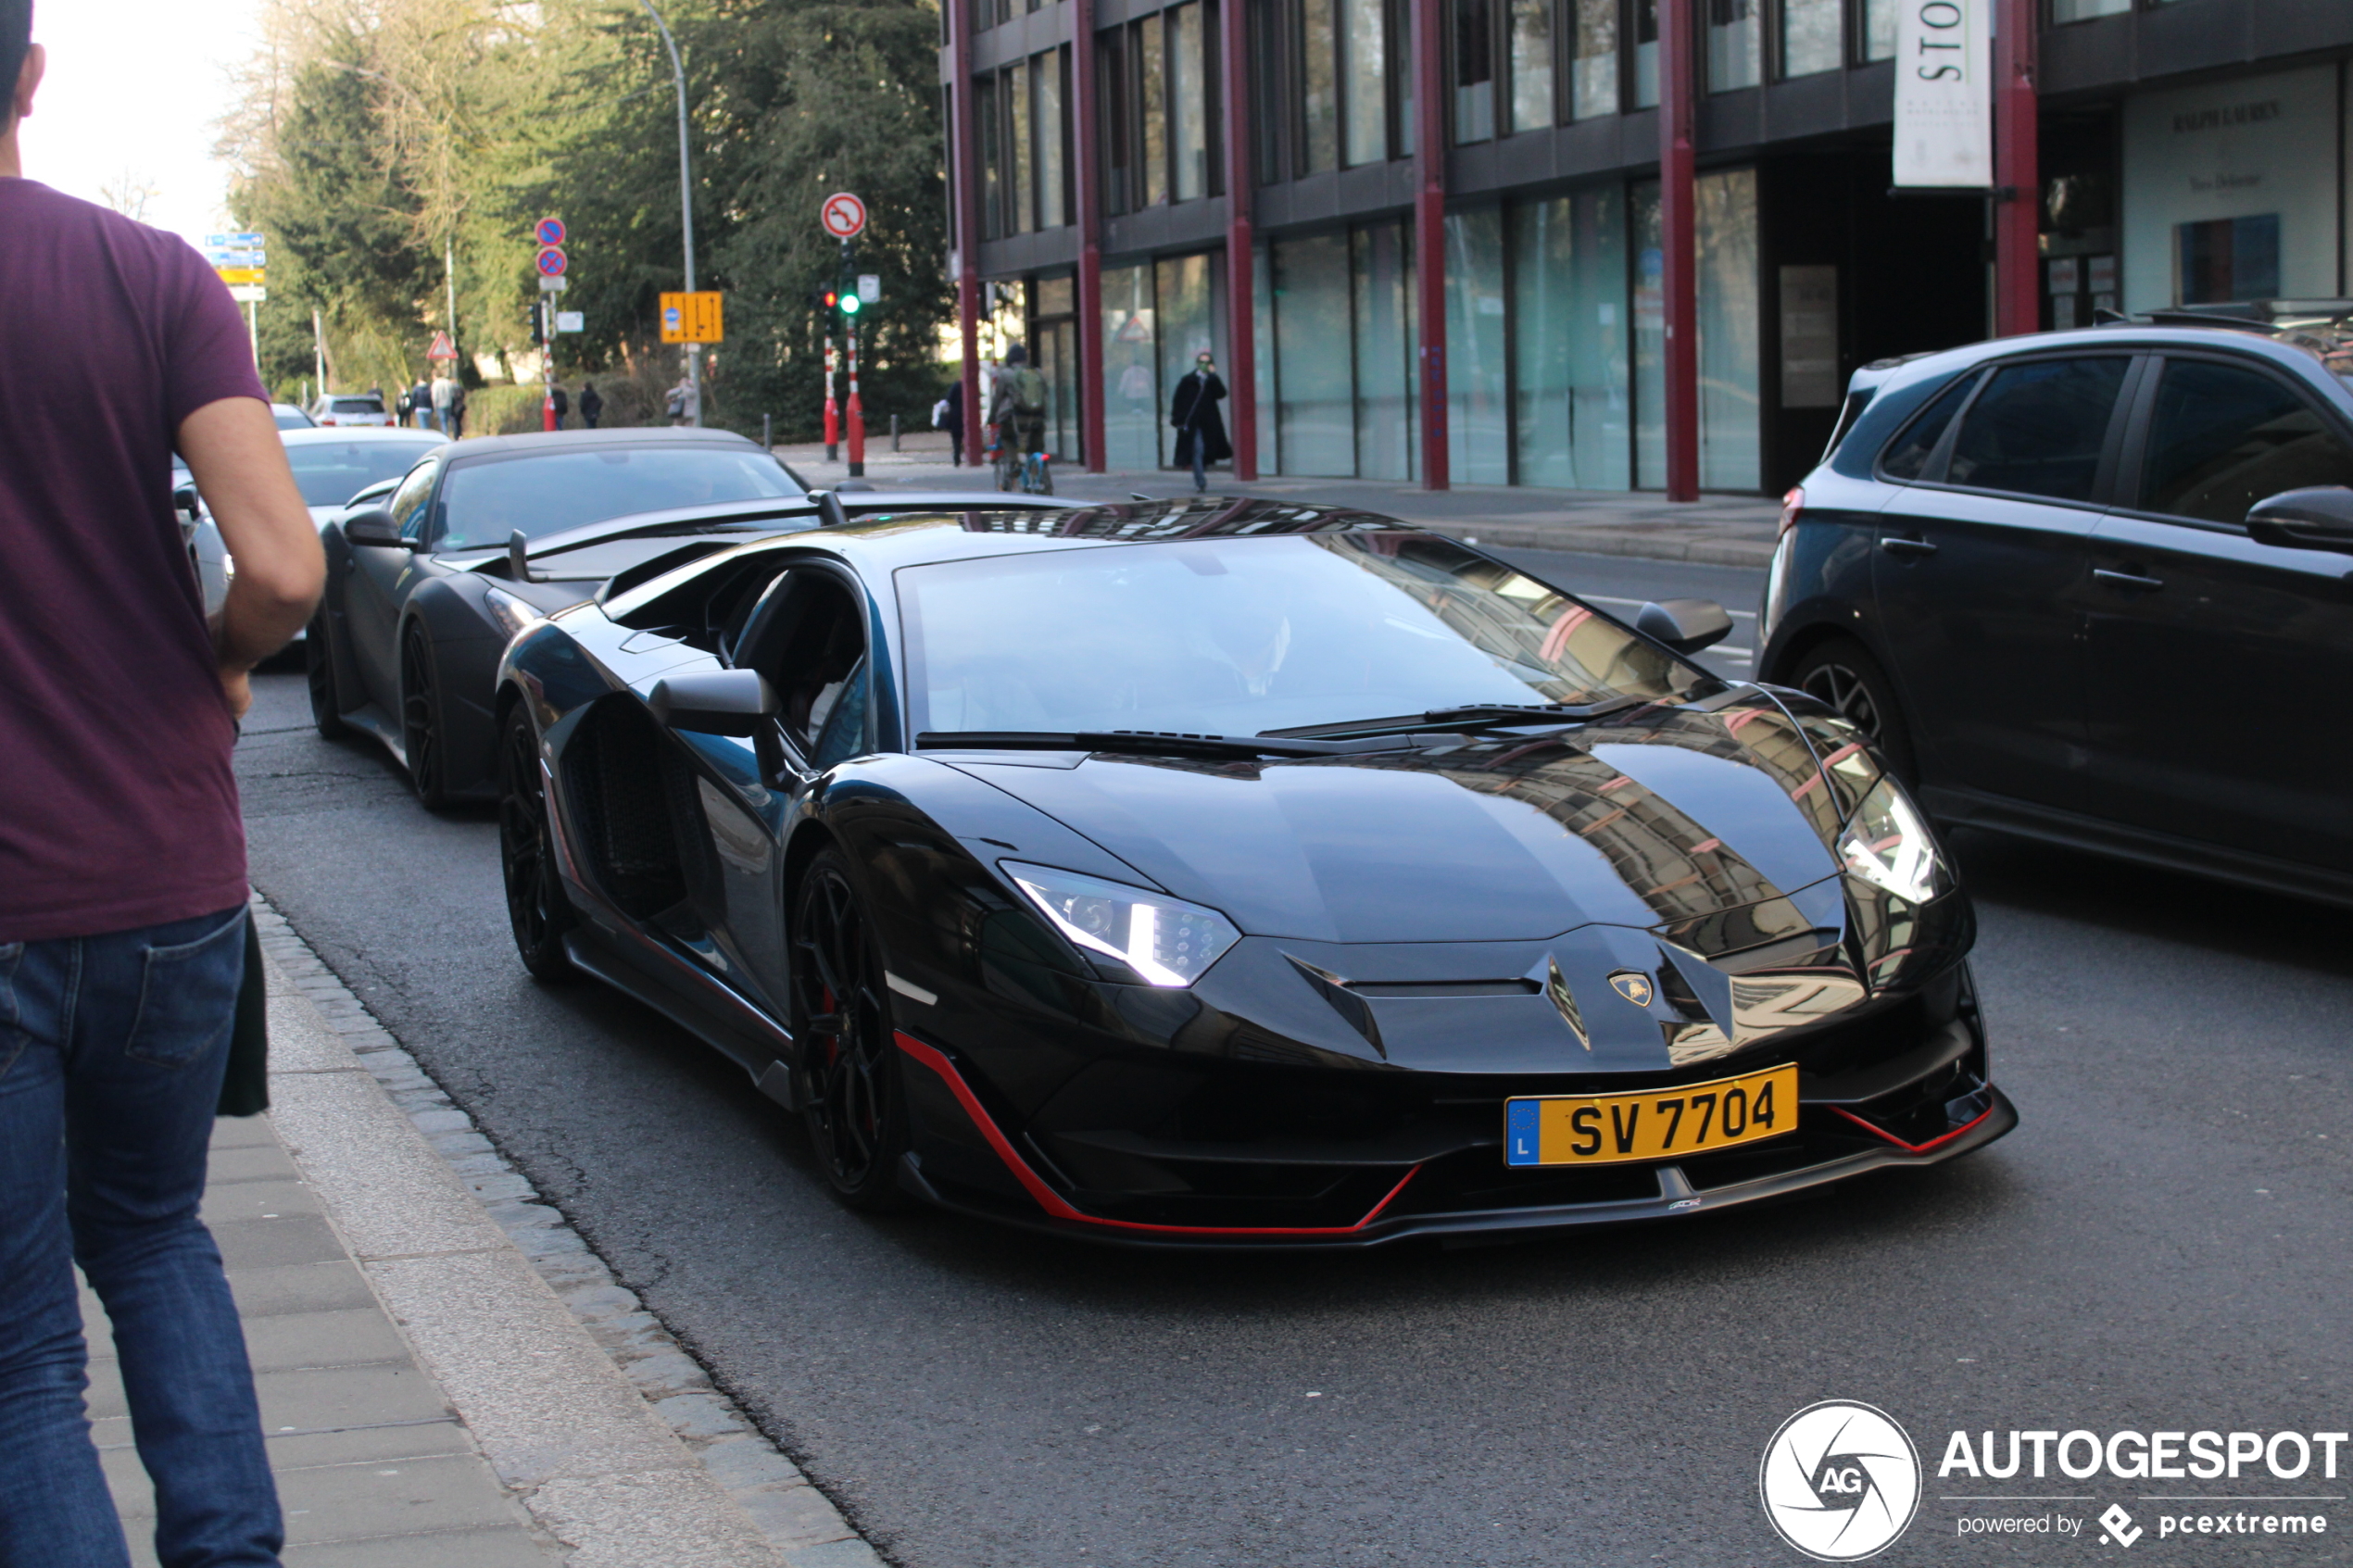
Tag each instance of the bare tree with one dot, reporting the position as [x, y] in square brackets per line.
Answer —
[131, 192]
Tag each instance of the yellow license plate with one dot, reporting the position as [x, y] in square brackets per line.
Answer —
[1654, 1124]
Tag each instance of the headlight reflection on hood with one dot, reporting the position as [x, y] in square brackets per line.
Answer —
[1164, 940]
[1887, 844]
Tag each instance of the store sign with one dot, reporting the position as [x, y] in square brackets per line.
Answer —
[1945, 94]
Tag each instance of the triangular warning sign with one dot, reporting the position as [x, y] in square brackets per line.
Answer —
[1137, 329]
[442, 349]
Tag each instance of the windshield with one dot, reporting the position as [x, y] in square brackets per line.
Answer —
[330, 473]
[548, 493]
[291, 418]
[356, 405]
[1241, 636]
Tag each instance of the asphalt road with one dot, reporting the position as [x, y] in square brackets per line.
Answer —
[2161, 1245]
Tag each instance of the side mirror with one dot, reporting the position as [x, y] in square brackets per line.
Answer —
[727, 702]
[2318, 519]
[186, 501]
[373, 525]
[1685, 625]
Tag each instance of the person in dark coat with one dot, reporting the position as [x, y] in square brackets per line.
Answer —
[562, 404]
[592, 403]
[1201, 428]
[953, 413]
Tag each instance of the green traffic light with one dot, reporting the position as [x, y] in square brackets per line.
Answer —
[849, 305]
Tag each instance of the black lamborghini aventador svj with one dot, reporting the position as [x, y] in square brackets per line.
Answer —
[1236, 873]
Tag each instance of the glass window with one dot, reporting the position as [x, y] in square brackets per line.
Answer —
[1568, 287]
[1053, 134]
[1810, 36]
[1649, 340]
[1021, 187]
[2038, 428]
[1531, 64]
[1187, 327]
[1152, 97]
[1594, 59]
[1908, 458]
[1401, 31]
[2228, 259]
[1729, 310]
[1319, 91]
[330, 473]
[1879, 29]
[408, 503]
[1646, 54]
[1239, 636]
[546, 494]
[1131, 390]
[1478, 433]
[1381, 259]
[1366, 81]
[2223, 437]
[1474, 70]
[1120, 174]
[1263, 363]
[1316, 425]
[992, 158]
[1187, 102]
[1735, 44]
[2085, 10]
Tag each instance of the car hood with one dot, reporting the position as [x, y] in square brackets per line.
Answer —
[1666, 818]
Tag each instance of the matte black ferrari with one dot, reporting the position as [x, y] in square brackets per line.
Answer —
[426, 583]
[1236, 873]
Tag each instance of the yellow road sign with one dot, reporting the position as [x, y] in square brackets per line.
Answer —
[692, 318]
[233, 276]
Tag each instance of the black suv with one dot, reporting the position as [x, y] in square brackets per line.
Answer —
[2092, 587]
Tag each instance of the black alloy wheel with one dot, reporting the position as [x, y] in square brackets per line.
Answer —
[536, 907]
[319, 664]
[849, 1089]
[1842, 674]
[421, 722]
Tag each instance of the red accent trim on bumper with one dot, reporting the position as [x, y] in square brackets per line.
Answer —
[1911, 1147]
[1060, 1208]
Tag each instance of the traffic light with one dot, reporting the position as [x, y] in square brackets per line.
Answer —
[538, 326]
[829, 297]
[849, 302]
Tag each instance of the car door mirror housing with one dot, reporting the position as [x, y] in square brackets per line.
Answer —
[186, 501]
[373, 525]
[727, 702]
[2317, 518]
[1685, 625]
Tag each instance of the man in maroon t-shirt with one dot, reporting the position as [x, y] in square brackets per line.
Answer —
[122, 873]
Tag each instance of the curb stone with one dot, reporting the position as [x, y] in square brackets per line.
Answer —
[799, 1522]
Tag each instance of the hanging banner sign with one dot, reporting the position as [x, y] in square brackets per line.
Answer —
[1945, 94]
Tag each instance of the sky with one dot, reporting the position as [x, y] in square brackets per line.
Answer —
[137, 86]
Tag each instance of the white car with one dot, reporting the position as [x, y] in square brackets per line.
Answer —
[291, 418]
[348, 408]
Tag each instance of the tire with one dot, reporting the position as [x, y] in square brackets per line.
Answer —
[536, 909]
[1842, 673]
[422, 732]
[850, 1091]
[319, 666]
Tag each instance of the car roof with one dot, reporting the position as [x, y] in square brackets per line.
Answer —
[2235, 334]
[932, 534]
[322, 435]
[489, 447]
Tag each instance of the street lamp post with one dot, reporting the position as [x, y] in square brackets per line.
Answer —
[686, 196]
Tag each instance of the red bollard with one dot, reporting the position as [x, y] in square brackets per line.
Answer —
[857, 415]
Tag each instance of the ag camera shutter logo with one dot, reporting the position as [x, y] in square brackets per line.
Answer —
[1841, 1481]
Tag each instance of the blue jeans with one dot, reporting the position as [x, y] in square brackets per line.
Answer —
[111, 1053]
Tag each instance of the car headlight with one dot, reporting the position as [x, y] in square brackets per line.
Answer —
[1887, 844]
[512, 614]
[1164, 940]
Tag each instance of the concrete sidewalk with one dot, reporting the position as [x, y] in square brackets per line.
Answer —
[1717, 530]
[449, 1377]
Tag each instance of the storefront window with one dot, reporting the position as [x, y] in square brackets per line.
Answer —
[1383, 274]
[1367, 82]
[1810, 36]
[1572, 419]
[1729, 313]
[1188, 319]
[1478, 435]
[1735, 44]
[1531, 64]
[1267, 357]
[1315, 421]
[1650, 341]
[1594, 59]
[1187, 102]
[1474, 70]
[1131, 389]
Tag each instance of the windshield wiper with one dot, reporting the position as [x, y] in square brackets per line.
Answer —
[1147, 743]
[1469, 715]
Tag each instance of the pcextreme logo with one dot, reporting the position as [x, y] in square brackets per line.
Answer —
[1841, 1481]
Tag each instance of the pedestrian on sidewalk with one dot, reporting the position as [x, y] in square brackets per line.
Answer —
[457, 409]
[592, 406]
[949, 414]
[1201, 428]
[685, 402]
[445, 394]
[122, 871]
[560, 403]
[421, 403]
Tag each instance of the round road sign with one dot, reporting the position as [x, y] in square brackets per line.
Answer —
[670, 316]
[843, 215]
[552, 261]
[550, 231]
